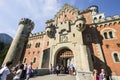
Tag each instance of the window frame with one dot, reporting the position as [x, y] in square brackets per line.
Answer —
[108, 30]
[118, 54]
[34, 60]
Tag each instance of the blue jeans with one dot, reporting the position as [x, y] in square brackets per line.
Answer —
[28, 76]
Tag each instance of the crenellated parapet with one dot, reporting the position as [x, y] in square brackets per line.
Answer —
[27, 22]
[112, 18]
[36, 35]
[109, 20]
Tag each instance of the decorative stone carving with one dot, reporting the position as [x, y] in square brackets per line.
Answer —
[63, 38]
[80, 23]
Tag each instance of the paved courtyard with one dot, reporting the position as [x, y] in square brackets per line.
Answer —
[54, 77]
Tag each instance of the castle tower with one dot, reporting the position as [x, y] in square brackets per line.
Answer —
[94, 9]
[15, 51]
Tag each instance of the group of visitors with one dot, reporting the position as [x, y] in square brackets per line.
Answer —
[60, 69]
[19, 72]
[100, 76]
[24, 71]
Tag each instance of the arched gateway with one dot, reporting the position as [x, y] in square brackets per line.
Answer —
[64, 57]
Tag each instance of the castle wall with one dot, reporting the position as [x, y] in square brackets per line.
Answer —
[34, 51]
[88, 17]
[110, 46]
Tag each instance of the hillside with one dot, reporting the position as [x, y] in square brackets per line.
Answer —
[5, 38]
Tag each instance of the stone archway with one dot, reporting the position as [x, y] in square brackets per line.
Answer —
[64, 57]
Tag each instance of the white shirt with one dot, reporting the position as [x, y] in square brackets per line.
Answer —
[5, 71]
[29, 69]
[57, 68]
[18, 74]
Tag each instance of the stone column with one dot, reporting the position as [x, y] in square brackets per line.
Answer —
[18, 44]
[85, 72]
[82, 58]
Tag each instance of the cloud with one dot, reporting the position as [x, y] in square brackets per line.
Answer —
[37, 10]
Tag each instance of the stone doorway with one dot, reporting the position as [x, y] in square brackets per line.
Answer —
[65, 57]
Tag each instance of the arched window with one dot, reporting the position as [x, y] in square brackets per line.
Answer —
[25, 60]
[105, 35]
[95, 18]
[110, 34]
[28, 46]
[116, 57]
[100, 17]
[34, 60]
[38, 44]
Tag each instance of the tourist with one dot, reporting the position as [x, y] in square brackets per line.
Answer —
[5, 71]
[36, 71]
[102, 75]
[62, 69]
[24, 71]
[66, 70]
[52, 70]
[95, 75]
[29, 71]
[57, 70]
[16, 67]
[18, 73]
[71, 67]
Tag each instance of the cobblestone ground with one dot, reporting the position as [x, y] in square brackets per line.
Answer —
[54, 77]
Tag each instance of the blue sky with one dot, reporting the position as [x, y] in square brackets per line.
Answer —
[11, 11]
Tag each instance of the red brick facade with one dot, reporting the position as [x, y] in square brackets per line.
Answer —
[38, 44]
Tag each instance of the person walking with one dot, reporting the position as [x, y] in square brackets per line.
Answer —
[18, 73]
[29, 71]
[57, 70]
[24, 71]
[5, 71]
[102, 75]
[95, 75]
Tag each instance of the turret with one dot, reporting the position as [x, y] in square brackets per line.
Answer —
[50, 29]
[80, 23]
[94, 9]
[18, 44]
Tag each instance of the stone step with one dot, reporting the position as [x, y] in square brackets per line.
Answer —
[54, 77]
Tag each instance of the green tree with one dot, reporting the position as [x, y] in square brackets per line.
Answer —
[1, 45]
[3, 53]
